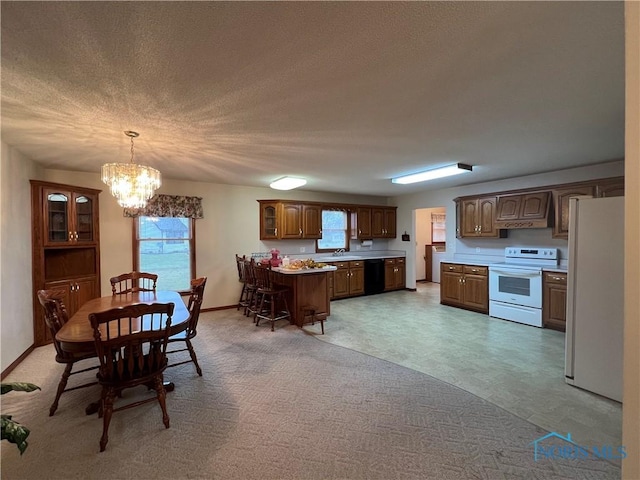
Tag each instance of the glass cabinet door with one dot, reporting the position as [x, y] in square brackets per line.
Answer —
[269, 222]
[84, 218]
[58, 217]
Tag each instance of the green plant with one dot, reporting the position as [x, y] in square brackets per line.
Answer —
[12, 431]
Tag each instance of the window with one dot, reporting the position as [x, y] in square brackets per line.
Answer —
[335, 228]
[165, 246]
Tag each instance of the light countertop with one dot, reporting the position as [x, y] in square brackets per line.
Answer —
[303, 271]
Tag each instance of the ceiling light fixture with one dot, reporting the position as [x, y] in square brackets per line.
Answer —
[447, 171]
[288, 183]
[130, 183]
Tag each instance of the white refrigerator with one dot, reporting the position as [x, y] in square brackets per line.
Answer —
[595, 295]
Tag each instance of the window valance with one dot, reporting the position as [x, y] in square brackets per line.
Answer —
[169, 206]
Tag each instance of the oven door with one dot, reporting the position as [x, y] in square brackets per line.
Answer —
[517, 286]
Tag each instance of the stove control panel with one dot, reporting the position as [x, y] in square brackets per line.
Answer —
[531, 252]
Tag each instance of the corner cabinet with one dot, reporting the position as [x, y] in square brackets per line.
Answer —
[65, 247]
[464, 286]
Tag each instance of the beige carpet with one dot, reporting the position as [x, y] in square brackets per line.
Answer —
[280, 405]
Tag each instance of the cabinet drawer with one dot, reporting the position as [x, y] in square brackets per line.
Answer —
[555, 277]
[475, 270]
[341, 264]
[389, 261]
[451, 267]
[399, 261]
[356, 264]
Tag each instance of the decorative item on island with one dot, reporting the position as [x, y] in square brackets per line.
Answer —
[307, 264]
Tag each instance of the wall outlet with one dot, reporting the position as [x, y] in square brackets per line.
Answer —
[303, 249]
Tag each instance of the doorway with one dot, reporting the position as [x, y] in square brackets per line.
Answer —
[430, 243]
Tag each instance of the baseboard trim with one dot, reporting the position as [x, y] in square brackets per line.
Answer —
[8, 370]
[214, 309]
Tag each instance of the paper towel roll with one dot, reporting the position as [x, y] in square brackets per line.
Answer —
[367, 243]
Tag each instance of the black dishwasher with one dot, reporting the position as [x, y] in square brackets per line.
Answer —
[373, 276]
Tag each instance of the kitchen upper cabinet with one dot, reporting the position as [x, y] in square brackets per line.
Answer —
[361, 223]
[561, 198]
[477, 218]
[611, 187]
[394, 273]
[383, 222]
[269, 220]
[68, 217]
[348, 279]
[289, 220]
[554, 300]
[65, 247]
[523, 210]
[464, 286]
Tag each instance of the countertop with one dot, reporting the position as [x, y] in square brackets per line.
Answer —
[303, 271]
[558, 269]
[349, 256]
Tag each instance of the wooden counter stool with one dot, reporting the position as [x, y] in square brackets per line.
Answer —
[271, 297]
[309, 315]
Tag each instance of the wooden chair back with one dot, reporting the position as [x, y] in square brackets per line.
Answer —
[55, 315]
[134, 282]
[194, 304]
[249, 271]
[240, 262]
[262, 275]
[131, 342]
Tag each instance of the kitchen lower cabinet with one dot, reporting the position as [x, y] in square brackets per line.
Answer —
[554, 300]
[394, 274]
[348, 279]
[464, 286]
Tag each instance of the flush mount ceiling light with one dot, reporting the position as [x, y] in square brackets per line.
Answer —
[447, 171]
[288, 183]
[130, 183]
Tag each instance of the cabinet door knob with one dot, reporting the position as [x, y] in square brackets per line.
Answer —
[300, 232]
[70, 236]
[276, 231]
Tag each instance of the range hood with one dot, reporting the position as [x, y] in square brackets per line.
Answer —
[530, 210]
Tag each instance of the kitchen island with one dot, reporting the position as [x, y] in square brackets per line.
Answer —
[307, 287]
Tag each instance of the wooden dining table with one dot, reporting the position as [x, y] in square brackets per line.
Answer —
[76, 335]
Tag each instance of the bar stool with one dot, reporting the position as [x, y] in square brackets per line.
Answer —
[271, 297]
[309, 315]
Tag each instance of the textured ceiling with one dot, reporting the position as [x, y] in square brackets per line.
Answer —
[346, 94]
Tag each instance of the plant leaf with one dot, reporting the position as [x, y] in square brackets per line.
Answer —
[18, 387]
[15, 433]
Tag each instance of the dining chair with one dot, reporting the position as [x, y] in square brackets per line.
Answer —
[242, 278]
[194, 304]
[271, 298]
[131, 344]
[133, 282]
[55, 316]
[251, 286]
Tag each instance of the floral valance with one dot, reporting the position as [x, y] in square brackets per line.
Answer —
[169, 206]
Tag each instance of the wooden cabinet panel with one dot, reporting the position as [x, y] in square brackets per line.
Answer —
[561, 198]
[394, 273]
[311, 221]
[465, 286]
[348, 280]
[383, 222]
[377, 222]
[477, 218]
[69, 217]
[356, 278]
[613, 187]
[269, 220]
[554, 300]
[291, 221]
[362, 223]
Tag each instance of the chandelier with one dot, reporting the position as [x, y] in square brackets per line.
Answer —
[130, 183]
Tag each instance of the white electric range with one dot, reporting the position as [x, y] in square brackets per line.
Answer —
[515, 285]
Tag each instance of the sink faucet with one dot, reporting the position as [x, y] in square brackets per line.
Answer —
[339, 252]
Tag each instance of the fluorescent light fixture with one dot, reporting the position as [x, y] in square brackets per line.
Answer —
[288, 183]
[447, 171]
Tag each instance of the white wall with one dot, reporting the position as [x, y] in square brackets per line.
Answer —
[631, 393]
[230, 226]
[16, 309]
[491, 248]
